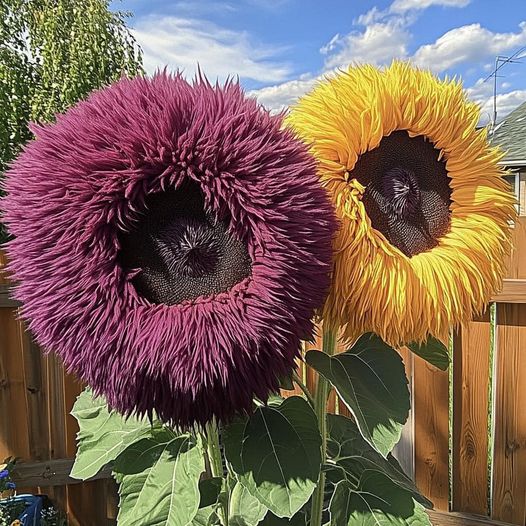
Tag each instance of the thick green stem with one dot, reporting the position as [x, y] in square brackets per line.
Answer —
[299, 382]
[320, 407]
[216, 461]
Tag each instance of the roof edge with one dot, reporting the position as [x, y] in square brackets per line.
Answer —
[514, 162]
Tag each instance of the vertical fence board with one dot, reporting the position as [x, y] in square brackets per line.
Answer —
[404, 451]
[112, 504]
[57, 421]
[431, 396]
[36, 392]
[14, 434]
[516, 264]
[95, 503]
[471, 364]
[509, 466]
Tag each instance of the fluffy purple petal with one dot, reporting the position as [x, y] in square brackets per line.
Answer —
[83, 182]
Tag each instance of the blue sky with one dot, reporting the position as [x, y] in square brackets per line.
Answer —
[280, 47]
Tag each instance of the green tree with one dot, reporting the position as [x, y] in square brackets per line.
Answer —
[52, 54]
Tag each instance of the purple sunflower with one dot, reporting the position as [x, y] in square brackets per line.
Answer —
[171, 244]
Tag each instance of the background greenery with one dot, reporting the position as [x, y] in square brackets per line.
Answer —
[52, 54]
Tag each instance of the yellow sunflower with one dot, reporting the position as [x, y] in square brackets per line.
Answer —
[424, 210]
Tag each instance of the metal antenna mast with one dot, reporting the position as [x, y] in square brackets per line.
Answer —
[500, 61]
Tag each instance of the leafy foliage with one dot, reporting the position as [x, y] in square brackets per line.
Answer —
[370, 379]
[300, 519]
[270, 461]
[354, 456]
[245, 510]
[209, 491]
[276, 454]
[159, 480]
[368, 489]
[374, 501]
[52, 54]
[433, 351]
[103, 434]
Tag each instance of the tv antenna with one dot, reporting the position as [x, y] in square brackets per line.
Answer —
[501, 61]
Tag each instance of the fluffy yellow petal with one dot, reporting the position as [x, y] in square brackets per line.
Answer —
[375, 286]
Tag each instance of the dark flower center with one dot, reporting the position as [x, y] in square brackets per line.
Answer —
[182, 251]
[188, 248]
[400, 187]
[407, 195]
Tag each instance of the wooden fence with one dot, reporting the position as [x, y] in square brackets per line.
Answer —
[465, 442]
[36, 397]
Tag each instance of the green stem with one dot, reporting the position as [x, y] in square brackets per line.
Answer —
[320, 407]
[216, 461]
[298, 381]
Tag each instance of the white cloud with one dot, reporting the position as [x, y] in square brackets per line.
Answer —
[179, 42]
[482, 93]
[281, 96]
[333, 42]
[182, 43]
[372, 16]
[399, 6]
[378, 44]
[192, 8]
[506, 103]
[467, 44]
[386, 35]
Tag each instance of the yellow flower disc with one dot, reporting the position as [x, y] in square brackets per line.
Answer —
[423, 208]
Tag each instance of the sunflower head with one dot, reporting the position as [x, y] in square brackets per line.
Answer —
[423, 207]
[171, 243]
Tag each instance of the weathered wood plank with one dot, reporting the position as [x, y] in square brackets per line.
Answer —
[516, 263]
[96, 503]
[14, 433]
[57, 421]
[3, 272]
[513, 291]
[509, 466]
[471, 367]
[50, 473]
[37, 394]
[112, 501]
[431, 396]
[404, 451]
[77, 495]
[441, 518]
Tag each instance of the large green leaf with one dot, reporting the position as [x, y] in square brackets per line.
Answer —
[374, 501]
[159, 480]
[209, 490]
[206, 517]
[245, 510]
[103, 434]
[370, 379]
[352, 456]
[433, 351]
[276, 454]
